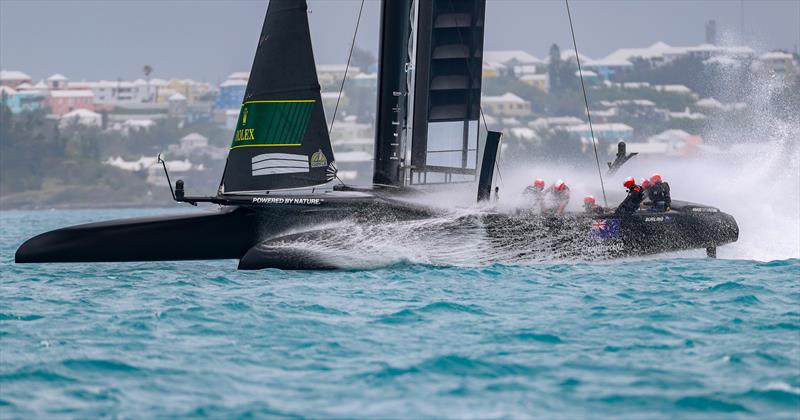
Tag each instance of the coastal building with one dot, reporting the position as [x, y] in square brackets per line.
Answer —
[329, 74]
[514, 62]
[608, 131]
[539, 81]
[778, 63]
[81, 117]
[21, 100]
[231, 93]
[62, 101]
[507, 104]
[13, 78]
[57, 81]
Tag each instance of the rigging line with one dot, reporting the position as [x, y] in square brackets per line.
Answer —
[347, 67]
[480, 106]
[586, 102]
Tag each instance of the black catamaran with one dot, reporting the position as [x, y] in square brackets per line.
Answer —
[279, 180]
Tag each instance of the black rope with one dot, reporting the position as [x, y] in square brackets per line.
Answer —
[586, 101]
[349, 56]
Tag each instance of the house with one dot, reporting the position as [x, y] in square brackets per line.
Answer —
[550, 122]
[539, 81]
[21, 100]
[231, 93]
[196, 144]
[334, 73]
[13, 78]
[57, 81]
[778, 62]
[687, 115]
[507, 104]
[515, 62]
[608, 131]
[62, 101]
[81, 117]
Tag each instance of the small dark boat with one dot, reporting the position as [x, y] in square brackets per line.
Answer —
[279, 180]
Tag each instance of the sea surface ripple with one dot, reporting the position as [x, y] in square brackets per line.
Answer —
[664, 337]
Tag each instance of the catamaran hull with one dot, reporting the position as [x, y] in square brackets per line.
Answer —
[257, 234]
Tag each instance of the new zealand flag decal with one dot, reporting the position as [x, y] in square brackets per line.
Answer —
[605, 229]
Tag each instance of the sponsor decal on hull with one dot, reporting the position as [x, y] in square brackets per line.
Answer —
[287, 200]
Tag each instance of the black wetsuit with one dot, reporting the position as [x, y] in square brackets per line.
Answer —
[658, 194]
[631, 203]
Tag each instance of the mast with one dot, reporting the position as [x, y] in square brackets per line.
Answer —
[392, 91]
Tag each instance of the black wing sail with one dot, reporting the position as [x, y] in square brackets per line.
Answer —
[281, 140]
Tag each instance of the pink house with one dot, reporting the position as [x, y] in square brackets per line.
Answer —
[62, 101]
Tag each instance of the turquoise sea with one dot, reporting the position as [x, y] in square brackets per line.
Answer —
[664, 337]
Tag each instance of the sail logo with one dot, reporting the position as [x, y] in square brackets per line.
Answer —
[265, 123]
[318, 159]
[244, 134]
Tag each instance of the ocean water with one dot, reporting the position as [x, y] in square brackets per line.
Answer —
[665, 337]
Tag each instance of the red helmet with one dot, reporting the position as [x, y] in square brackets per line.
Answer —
[588, 199]
[560, 185]
[655, 178]
[645, 182]
[538, 183]
[629, 182]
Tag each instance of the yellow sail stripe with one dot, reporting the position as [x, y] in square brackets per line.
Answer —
[279, 101]
[264, 145]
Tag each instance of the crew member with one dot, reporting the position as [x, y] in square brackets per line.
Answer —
[658, 193]
[646, 187]
[535, 194]
[559, 196]
[590, 205]
[634, 199]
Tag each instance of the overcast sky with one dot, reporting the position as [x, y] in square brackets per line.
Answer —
[208, 39]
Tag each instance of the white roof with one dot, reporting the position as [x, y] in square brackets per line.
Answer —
[548, 121]
[40, 85]
[13, 75]
[586, 73]
[535, 77]
[81, 113]
[673, 88]
[24, 85]
[523, 133]
[721, 59]
[600, 127]
[71, 94]
[56, 77]
[176, 97]
[335, 68]
[365, 76]
[670, 135]
[158, 82]
[194, 137]
[146, 122]
[234, 82]
[239, 75]
[568, 55]
[506, 56]
[776, 55]
[506, 97]
[139, 82]
[709, 103]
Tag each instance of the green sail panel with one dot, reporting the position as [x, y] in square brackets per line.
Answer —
[273, 123]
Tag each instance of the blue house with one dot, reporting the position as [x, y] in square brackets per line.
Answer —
[231, 93]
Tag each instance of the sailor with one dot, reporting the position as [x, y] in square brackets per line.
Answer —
[559, 197]
[534, 194]
[590, 205]
[645, 186]
[658, 193]
[634, 199]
